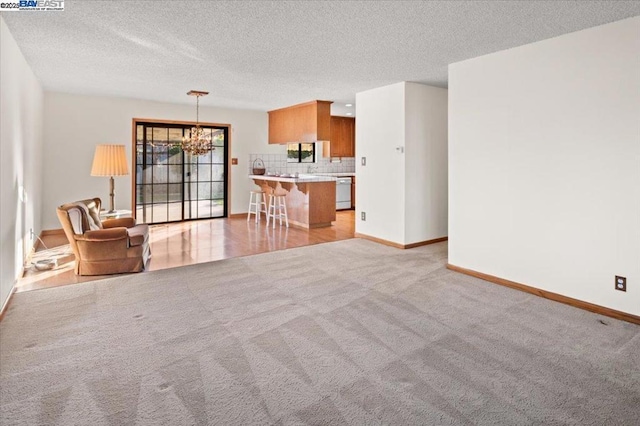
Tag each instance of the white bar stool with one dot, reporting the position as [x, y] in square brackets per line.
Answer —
[257, 205]
[277, 209]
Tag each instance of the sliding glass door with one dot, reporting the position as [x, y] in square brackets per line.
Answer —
[172, 185]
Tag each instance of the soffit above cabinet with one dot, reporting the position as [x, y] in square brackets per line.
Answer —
[307, 122]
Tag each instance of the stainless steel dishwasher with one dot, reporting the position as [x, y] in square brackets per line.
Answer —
[343, 193]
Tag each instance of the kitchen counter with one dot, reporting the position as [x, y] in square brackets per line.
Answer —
[310, 199]
[350, 174]
[301, 179]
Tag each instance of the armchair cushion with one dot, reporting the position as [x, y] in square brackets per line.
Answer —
[104, 235]
[127, 222]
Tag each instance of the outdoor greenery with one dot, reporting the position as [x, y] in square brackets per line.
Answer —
[301, 153]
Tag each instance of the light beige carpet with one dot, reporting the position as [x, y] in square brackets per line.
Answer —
[350, 332]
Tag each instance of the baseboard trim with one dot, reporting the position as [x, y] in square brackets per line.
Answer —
[398, 245]
[237, 215]
[426, 243]
[46, 232]
[591, 307]
[7, 302]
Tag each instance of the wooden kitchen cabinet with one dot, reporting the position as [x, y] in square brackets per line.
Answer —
[303, 123]
[343, 138]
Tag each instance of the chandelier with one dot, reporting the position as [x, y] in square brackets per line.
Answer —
[197, 143]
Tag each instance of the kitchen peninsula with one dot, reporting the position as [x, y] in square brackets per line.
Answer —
[310, 199]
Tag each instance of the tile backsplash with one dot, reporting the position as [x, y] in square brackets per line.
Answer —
[277, 163]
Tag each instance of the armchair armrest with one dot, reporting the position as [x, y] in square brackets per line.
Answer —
[112, 234]
[127, 222]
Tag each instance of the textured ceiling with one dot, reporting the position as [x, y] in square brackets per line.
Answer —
[269, 54]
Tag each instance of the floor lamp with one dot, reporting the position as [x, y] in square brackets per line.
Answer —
[110, 160]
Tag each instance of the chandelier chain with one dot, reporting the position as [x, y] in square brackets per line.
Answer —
[197, 143]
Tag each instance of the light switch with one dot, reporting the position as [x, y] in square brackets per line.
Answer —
[234, 161]
[363, 161]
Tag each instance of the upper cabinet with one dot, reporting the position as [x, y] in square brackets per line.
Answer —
[308, 122]
[343, 138]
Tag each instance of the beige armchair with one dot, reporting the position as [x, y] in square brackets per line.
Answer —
[110, 247]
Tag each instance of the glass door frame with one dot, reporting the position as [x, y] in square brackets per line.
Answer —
[227, 161]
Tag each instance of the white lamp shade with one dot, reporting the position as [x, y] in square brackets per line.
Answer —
[109, 160]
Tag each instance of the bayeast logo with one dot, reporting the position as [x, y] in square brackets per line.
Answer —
[42, 4]
[39, 5]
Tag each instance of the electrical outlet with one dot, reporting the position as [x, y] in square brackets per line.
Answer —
[363, 216]
[621, 283]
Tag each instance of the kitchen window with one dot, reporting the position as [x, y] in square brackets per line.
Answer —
[301, 153]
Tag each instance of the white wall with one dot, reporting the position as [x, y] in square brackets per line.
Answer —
[544, 164]
[380, 184]
[75, 124]
[21, 100]
[425, 163]
[403, 191]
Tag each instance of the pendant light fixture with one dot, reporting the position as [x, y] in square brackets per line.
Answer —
[197, 143]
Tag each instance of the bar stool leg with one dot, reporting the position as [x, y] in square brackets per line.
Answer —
[275, 210]
[286, 217]
[250, 204]
[263, 206]
[271, 215]
[279, 207]
[258, 198]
